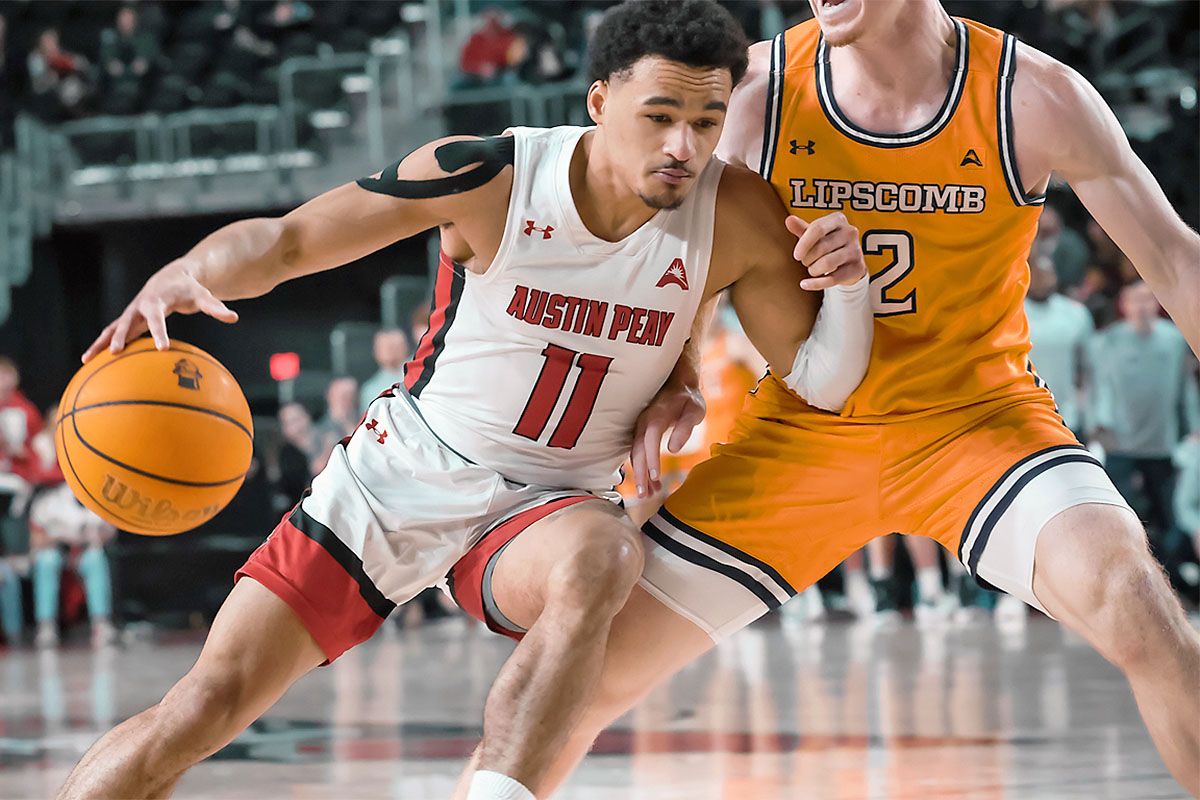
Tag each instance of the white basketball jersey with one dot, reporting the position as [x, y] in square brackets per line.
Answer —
[539, 368]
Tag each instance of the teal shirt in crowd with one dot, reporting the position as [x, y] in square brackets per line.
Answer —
[1187, 486]
[1143, 388]
[1060, 329]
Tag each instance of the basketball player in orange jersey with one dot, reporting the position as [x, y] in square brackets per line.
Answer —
[569, 254]
[936, 137]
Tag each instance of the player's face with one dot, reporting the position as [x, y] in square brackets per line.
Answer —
[661, 122]
[845, 21]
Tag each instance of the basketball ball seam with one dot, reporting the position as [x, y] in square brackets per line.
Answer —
[67, 454]
[168, 403]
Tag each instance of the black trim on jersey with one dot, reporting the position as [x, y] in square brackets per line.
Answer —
[706, 562]
[773, 108]
[728, 549]
[1072, 453]
[342, 554]
[457, 283]
[958, 83]
[1004, 126]
[492, 155]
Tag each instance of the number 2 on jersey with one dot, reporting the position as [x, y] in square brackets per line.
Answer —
[548, 388]
[899, 245]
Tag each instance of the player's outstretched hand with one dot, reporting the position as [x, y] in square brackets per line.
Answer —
[828, 247]
[676, 408]
[171, 290]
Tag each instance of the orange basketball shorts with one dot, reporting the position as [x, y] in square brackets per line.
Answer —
[797, 490]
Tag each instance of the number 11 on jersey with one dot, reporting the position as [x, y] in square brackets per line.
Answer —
[549, 387]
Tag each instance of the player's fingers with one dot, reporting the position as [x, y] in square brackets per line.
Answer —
[209, 304]
[652, 444]
[680, 433]
[100, 343]
[817, 229]
[837, 239]
[156, 321]
[830, 262]
[117, 342]
[795, 225]
[637, 459]
[842, 276]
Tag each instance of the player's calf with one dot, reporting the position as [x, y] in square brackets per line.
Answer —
[564, 578]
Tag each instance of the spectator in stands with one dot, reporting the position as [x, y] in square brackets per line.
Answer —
[1144, 399]
[127, 50]
[1065, 247]
[64, 533]
[490, 51]
[390, 349]
[19, 423]
[1109, 271]
[1187, 490]
[1060, 329]
[341, 417]
[57, 78]
[128, 53]
[298, 452]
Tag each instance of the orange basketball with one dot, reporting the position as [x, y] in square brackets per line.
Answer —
[155, 442]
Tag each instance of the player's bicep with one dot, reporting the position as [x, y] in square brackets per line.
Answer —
[776, 314]
[1095, 158]
[431, 186]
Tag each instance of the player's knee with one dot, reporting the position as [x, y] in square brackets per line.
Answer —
[1133, 610]
[599, 574]
[200, 711]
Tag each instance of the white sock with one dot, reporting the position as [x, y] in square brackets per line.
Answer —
[488, 785]
[929, 584]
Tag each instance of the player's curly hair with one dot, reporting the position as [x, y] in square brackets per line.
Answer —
[699, 33]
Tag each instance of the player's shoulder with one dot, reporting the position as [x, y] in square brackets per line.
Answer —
[450, 165]
[1044, 86]
[744, 196]
[741, 139]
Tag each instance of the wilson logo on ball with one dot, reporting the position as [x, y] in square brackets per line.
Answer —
[140, 505]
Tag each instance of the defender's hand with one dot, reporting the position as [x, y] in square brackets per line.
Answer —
[171, 290]
[676, 408]
[828, 247]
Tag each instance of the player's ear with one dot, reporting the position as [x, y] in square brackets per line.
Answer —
[597, 98]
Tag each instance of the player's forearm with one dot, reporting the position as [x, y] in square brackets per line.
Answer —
[831, 363]
[247, 258]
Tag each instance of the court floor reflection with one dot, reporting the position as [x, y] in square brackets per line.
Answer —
[838, 711]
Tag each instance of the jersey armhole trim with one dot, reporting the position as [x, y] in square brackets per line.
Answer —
[520, 160]
[1004, 126]
[773, 112]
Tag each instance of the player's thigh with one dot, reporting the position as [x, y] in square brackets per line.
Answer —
[591, 541]
[257, 648]
[992, 490]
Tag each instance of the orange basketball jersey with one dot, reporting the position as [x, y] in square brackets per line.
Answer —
[946, 225]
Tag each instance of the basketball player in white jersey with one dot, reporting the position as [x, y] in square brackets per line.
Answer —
[574, 261]
[884, 95]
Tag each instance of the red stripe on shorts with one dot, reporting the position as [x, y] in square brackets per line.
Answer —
[303, 574]
[466, 576]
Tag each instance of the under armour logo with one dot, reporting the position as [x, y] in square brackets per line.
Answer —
[797, 147]
[971, 158]
[531, 226]
[188, 374]
[675, 274]
[373, 427]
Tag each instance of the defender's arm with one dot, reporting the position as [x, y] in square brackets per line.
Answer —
[1062, 124]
